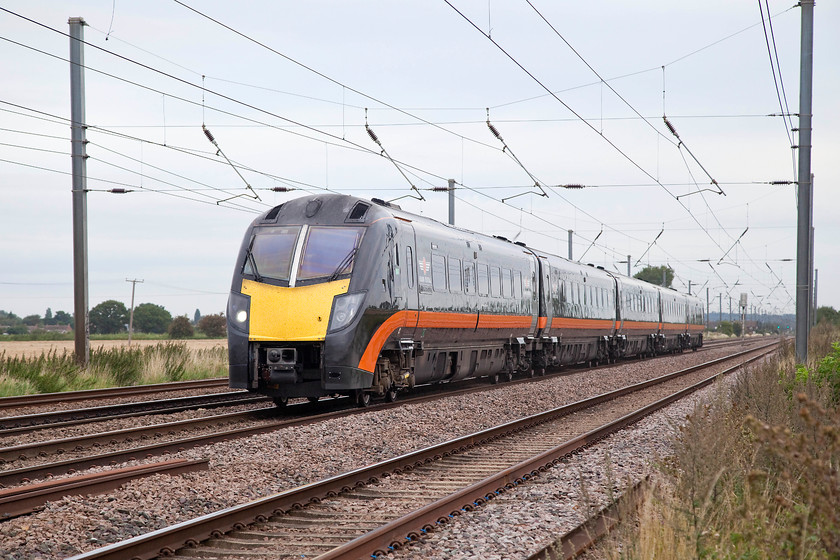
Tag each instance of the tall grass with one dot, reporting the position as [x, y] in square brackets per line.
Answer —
[755, 469]
[52, 372]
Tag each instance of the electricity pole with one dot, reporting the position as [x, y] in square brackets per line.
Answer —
[131, 314]
[803, 233]
[78, 143]
[451, 202]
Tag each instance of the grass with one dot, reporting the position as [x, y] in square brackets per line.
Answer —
[755, 472]
[53, 372]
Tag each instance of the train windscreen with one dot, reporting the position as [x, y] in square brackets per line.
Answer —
[271, 252]
[329, 252]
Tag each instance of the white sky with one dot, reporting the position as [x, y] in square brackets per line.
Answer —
[287, 124]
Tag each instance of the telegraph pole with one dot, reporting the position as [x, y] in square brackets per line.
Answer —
[131, 314]
[78, 156]
[451, 202]
[803, 237]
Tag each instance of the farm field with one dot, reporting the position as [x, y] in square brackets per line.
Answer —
[30, 348]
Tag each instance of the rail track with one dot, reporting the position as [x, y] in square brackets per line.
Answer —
[384, 506]
[170, 437]
[8, 403]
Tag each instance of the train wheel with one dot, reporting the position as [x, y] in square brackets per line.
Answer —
[391, 394]
[494, 378]
[362, 398]
[313, 399]
[508, 376]
[541, 371]
[281, 402]
[531, 372]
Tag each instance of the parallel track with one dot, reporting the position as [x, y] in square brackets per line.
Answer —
[467, 472]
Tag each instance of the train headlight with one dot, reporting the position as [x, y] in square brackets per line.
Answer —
[344, 310]
[238, 311]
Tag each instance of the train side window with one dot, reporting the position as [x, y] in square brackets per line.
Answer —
[517, 285]
[455, 282]
[506, 283]
[438, 273]
[495, 288]
[469, 278]
[409, 261]
[483, 278]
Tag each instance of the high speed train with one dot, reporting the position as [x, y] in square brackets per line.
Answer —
[338, 295]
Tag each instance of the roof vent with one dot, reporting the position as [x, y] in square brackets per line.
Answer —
[358, 212]
[272, 214]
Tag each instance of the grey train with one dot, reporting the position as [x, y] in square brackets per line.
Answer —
[337, 295]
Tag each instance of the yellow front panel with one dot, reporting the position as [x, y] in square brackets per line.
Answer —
[290, 314]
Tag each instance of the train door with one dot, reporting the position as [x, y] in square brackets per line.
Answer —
[546, 309]
[404, 260]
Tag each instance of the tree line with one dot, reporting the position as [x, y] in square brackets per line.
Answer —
[112, 317]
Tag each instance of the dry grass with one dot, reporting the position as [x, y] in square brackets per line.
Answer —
[755, 472]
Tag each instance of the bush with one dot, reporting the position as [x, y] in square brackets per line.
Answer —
[214, 326]
[181, 328]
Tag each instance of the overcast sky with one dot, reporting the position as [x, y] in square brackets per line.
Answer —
[286, 88]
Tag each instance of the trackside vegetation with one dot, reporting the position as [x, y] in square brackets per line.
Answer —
[53, 372]
[755, 469]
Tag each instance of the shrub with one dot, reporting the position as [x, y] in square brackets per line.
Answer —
[181, 328]
[214, 326]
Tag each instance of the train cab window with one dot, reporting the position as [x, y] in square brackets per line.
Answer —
[438, 273]
[409, 261]
[483, 280]
[455, 282]
[495, 281]
[469, 278]
[271, 251]
[329, 251]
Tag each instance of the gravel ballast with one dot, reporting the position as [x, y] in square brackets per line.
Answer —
[253, 467]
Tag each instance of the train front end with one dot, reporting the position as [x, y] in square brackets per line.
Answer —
[293, 302]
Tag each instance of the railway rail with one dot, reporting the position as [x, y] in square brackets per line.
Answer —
[20, 501]
[29, 422]
[421, 489]
[7, 403]
[171, 440]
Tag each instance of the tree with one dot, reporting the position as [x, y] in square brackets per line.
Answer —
[653, 275]
[32, 320]
[725, 327]
[828, 315]
[180, 327]
[196, 317]
[108, 317]
[63, 318]
[48, 317]
[214, 326]
[151, 318]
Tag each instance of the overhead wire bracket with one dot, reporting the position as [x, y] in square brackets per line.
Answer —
[506, 149]
[680, 145]
[733, 245]
[385, 153]
[592, 244]
[651, 245]
[255, 196]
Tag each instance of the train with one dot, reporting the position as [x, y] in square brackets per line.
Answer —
[339, 295]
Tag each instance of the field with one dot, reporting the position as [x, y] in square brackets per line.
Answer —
[34, 348]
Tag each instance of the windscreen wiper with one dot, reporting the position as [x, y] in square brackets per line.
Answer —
[342, 266]
[253, 263]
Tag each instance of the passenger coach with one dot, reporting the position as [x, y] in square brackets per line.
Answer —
[333, 294]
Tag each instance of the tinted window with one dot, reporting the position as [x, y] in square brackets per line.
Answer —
[495, 284]
[517, 285]
[482, 279]
[455, 275]
[469, 278]
[439, 273]
[409, 262]
[506, 283]
[272, 249]
[329, 250]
